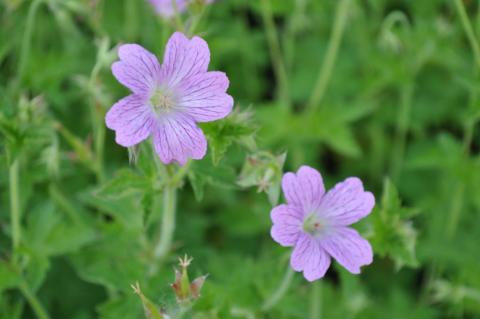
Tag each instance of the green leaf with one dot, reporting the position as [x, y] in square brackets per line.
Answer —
[122, 307]
[8, 277]
[394, 234]
[126, 182]
[236, 128]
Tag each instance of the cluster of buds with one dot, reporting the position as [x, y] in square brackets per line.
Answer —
[186, 291]
[263, 170]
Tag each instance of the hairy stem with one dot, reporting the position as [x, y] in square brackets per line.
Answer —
[35, 304]
[403, 119]
[15, 211]
[275, 53]
[316, 301]
[331, 55]
[467, 26]
[167, 227]
[281, 290]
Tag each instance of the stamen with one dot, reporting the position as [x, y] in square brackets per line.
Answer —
[162, 100]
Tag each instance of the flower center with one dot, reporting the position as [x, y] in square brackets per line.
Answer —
[162, 100]
[313, 225]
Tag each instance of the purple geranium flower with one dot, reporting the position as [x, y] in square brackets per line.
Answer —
[167, 100]
[316, 224]
[166, 8]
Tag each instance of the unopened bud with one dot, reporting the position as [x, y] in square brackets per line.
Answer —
[151, 310]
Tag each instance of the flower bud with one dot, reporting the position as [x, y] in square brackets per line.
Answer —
[186, 291]
[151, 310]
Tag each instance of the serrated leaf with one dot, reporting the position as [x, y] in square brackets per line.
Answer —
[394, 234]
[236, 128]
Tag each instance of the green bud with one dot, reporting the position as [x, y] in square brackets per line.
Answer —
[186, 291]
[151, 310]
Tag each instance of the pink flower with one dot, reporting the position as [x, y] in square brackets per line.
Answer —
[316, 224]
[166, 8]
[168, 100]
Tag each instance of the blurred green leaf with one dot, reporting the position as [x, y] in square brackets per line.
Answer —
[393, 232]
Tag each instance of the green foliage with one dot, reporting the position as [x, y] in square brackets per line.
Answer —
[400, 110]
[393, 232]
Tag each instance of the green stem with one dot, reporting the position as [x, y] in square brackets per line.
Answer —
[467, 26]
[168, 222]
[455, 210]
[275, 53]
[35, 304]
[402, 129]
[331, 55]
[196, 20]
[316, 301]
[15, 211]
[27, 35]
[291, 32]
[131, 18]
[177, 18]
[97, 114]
[280, 292]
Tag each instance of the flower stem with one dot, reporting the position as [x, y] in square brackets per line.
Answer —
[275, 53]
[168, 222]
[35, 304]
[402, 129]
[27, 35]
[197, 18]
[280, 292]
[177, 17]
[316, 301]
[331, 55]
[15, 211]
[467, 26]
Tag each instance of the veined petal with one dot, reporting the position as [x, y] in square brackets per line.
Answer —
[349, 248]
[204, 96]
[131, 119]
[346, 203]
[138, 69]
[308, 256]
[184, 58]
[304, 189]
[287, 224]
[177, 138]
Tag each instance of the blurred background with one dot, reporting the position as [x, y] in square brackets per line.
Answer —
[385, 90]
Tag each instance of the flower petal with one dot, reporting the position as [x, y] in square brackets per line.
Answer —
[204, 96]
[304, 189]
[346, 203]
[308, 256]
[131, 119]
[177, 138]
[349, 248]
[138, 69]
[184, 58]
[166, 9]
[286, 228]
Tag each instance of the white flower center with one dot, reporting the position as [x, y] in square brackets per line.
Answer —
[313, 225]
[162, 100]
